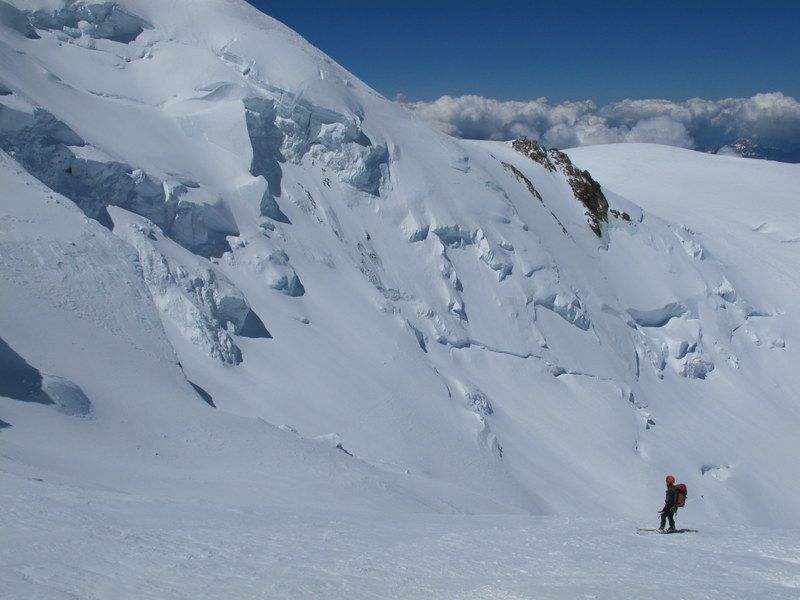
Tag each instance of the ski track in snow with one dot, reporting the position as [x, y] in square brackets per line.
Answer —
[65, 543]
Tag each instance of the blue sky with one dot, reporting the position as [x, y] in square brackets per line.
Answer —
[603, 50]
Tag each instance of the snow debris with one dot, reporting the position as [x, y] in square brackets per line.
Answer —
[105, 20]
[204, 305]
[68, 396]
[43, 145]
[720, 473]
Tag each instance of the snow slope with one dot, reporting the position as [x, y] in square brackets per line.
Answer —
[61, 542]
[239, 285]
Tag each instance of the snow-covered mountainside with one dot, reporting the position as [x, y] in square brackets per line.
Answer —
[232, 271]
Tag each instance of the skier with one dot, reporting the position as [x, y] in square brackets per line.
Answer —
[670, 505]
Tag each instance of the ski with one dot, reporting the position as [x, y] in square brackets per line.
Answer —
[654, 530]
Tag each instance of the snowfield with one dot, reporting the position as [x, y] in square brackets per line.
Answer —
[264, 334]
[63, 542]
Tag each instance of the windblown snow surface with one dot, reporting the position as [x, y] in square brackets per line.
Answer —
[264, 334]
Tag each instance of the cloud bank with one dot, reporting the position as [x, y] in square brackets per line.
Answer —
[767, 121]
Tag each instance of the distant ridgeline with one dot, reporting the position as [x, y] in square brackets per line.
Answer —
[749, 148]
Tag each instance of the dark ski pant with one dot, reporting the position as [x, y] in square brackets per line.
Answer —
[668, 514]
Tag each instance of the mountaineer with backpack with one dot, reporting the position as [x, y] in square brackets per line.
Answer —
[675, 498]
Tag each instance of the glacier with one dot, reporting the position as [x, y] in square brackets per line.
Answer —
[240, 285]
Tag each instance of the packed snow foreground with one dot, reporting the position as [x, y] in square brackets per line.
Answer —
[266, 335]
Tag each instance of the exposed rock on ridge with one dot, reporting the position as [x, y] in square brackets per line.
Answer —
[585, 189]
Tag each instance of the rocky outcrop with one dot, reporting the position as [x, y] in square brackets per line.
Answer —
[585, 189]
[520, 177]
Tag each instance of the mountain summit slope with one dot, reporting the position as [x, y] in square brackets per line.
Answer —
[253, 277]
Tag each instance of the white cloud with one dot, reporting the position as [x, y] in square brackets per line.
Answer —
[660, 130]
[769, 119]
[768, 116]
[483, 118]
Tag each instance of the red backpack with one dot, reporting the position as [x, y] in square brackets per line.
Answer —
[680, 498]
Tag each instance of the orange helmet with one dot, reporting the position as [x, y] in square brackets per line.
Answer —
[670, 479]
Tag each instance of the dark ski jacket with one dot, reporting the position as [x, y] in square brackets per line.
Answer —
[671, 499]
